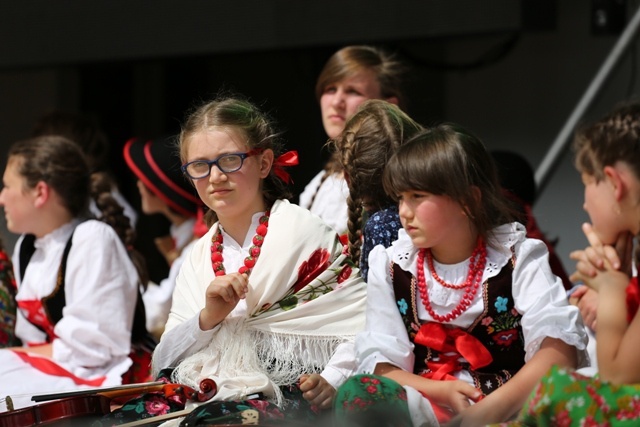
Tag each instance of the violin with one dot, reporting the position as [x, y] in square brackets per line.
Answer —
[95, 402]
[54, 411]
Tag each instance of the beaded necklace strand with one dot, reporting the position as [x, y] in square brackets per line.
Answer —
[470, 285]
[254, 251]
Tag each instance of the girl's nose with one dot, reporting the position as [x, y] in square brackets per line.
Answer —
[338, 97]
[216, 175]
[403, 210]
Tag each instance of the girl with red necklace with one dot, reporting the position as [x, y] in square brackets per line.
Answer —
[463, 312]
[267, 303]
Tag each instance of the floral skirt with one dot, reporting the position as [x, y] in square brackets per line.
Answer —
[371, 400]
[294, 411]
[566, 398]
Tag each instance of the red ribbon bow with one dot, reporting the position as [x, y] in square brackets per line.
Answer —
[290, 158]
[459, 343]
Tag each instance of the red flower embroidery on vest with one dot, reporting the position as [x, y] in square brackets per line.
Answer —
[505, 338]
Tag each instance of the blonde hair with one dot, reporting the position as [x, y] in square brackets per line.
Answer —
[249, 121]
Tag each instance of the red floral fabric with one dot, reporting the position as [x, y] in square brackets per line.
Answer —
[310, 269]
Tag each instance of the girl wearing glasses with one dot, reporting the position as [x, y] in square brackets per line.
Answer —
[266, 304]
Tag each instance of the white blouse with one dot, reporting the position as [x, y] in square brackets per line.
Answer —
[538, 295]
[101, 285]
[330, 202]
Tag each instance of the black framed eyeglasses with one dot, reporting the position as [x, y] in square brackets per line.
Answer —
[227, 163]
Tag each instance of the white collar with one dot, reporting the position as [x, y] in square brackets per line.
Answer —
[503, 238]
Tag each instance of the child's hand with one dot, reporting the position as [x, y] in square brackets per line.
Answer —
[222, 296]
[317, 391]
[586, 299]
[597, 255]
[454, 394]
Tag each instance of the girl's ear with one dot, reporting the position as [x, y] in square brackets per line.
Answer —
[477, 202]
[41, 193]
[393, 100]
[266, 161]
[616, 179]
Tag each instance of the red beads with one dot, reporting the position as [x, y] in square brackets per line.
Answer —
[254, 251]
[471, 284]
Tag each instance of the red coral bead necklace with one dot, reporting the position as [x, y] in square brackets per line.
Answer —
[477, 263]
[254, 250]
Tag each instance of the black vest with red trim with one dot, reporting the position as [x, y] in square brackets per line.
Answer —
[497, 328]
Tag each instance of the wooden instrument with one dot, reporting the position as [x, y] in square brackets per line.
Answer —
[94, 402]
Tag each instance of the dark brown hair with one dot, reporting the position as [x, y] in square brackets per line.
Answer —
[62, 165]
[448, 160]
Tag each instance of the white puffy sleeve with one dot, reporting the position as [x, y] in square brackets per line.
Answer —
[541, 297]
[385, 339]
[101, 289]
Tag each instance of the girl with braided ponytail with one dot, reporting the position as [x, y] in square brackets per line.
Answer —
[608, 158]
[369, 139]
[77, 286]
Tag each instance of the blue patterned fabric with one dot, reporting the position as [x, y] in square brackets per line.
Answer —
[380, 229]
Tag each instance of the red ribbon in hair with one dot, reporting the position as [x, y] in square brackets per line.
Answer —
[200, 227]
[290, 158]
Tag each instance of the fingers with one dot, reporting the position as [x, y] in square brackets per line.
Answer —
[472, 393]
[590, 234]
[317, 391]
[459, 403]
[230, 287]
[599, 253]
[579, 292]
[462, 393]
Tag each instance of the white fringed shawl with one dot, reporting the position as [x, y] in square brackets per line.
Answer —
[283, 335]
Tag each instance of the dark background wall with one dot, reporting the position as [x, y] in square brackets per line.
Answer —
[509, 70]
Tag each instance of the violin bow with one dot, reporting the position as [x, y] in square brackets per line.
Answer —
[112, 391]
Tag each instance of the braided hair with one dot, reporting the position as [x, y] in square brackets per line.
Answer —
[369, 139]
[614, 138]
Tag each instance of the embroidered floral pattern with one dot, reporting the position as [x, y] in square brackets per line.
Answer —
[565, 398]
[316, 277]
[501, 304]
[363, 393]
[503, 328]
[402, 306]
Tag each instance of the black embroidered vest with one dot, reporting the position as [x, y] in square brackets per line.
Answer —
[498, 327]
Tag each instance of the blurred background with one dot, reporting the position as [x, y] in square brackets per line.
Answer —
[511, 71]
